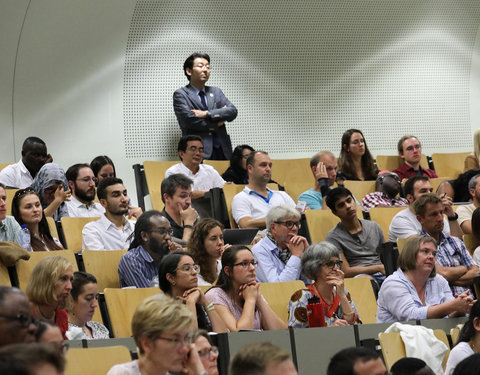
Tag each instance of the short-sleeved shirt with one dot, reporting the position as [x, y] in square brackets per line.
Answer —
[99, 331]
[248, 203]
[137, 268]
[16, 176]
[406, 171]
[104, 235]
[360, 249]
[313, 198]
[465, 212]
[205, 179]
[10, 230]
[79, 209]
[217, 296]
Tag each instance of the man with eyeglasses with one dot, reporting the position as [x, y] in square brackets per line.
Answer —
[151, 242]
[387, 192]
[279, 253]
[410, 150]
[357, 239]
[204, 177]
[203, 110]
[17, 323]
[82, 181]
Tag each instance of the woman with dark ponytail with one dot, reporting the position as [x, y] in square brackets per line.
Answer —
[468, 342]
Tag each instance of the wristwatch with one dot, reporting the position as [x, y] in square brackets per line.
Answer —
[452, 218]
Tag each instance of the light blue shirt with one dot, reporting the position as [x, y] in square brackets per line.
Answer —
[398, 300]
[10, 230]
[270, 268]
[313, 198]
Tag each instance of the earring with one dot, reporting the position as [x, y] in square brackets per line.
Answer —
[173, 282]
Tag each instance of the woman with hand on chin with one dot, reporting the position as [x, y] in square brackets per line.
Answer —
[178, 278]
[237, 297]
[415, 291]
[321, 263]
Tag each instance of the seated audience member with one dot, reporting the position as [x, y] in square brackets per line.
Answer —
[113, 230]
[177, 277]
[465, 211]
[81, 181]
[51, 186]
[204, 177]
[453, 259]
[279, 254]
[405, 223]
[49, 287]
[31, 359]
[387, 193]
[20, 175]
[410, 150]
[49, 333]
[356, 161]
[102, 167]
[471, 161]
[80, 312]
[237, 172]
[27, 209]
[250, 206]
[356, 361]
[458, 189]
[357, 239]
[410, 366]
[468, 341]
[161, 330]
[9, 228]
[208, 354]
[415, 291]
[321, 263]
[151, 242]
[237, 297]
[207, 246]
[17, 323]
[262, 358]
[324, 169]
[476, 234]
[176, 192]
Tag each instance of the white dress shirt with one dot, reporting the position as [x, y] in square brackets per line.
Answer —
[104, 235]
[16, 176]
[79, 209]
[205, 179]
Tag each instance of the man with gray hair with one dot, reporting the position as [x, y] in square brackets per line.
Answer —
[324, 169]
[279, 253]
[465, 212]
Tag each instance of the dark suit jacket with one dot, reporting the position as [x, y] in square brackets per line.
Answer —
[185, 99]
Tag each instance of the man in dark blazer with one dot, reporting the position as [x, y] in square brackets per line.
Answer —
[202, 110]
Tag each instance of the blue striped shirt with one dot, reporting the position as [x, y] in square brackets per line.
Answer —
[137, 268]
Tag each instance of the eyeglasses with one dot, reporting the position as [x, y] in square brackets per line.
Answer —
[332, 263]
[187, 340]
[189, 267]
[195, 149]
[206, 353]
[88, 179]
[163, 231]
[289, 224]
[20, 193]
[246, 264]
[24, 319]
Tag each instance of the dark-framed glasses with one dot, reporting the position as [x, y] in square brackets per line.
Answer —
[246, 264]
[332, 263]
[289, 224]
[23, 319]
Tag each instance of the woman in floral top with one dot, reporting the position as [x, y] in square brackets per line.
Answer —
[321, 263]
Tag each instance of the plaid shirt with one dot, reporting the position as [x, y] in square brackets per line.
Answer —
[451, 252]
[380, 199]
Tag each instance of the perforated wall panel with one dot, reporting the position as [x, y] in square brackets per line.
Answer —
[301, 73]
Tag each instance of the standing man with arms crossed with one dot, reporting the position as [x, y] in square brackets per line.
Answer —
[202, 110]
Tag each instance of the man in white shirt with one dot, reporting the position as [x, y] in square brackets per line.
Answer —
[250, 206]
[113, 230]
[82, 181]
[204, 177]
[20, 175]
[465, 212]
[405, 223]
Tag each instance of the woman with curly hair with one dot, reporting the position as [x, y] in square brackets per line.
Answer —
[206, 246]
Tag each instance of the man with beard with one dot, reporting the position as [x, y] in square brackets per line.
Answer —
[279, 254]
[387, 193]
[465, 212]
[251, 205]
[20, 175]
[113, 230]
[152, 240]
[82, 185]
